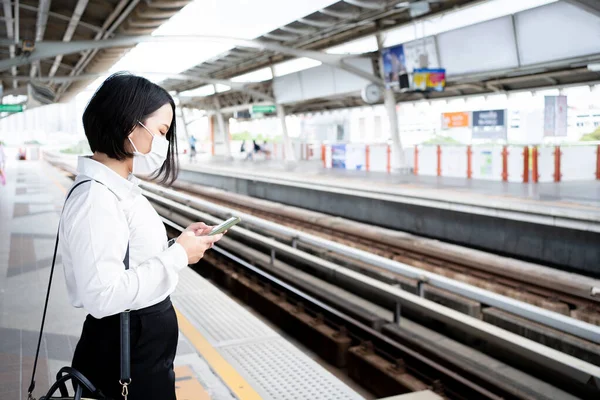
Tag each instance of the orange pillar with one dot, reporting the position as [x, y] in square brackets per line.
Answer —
[469, 162]
[505, 163]
[323, 156]
[557, 173]
[534, 165]
[525, 164]
[439, 160]
[367, 157]
[598, 162]
[389, 159]
[416, 171]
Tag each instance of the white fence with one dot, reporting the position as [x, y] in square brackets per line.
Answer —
[496, 163]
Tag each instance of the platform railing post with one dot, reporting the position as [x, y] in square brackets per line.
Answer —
[397, 313]
[389, 159]
[469, 162]
[598, 162]
[557, 154]
[525, 164]
[534, 167]
[439, 160]
[416, 169]
[504, 163]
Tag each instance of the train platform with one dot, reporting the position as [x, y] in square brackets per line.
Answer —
[553, 224]
[555, 198]
[224, 351]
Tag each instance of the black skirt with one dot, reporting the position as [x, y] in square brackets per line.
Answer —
[154, 334]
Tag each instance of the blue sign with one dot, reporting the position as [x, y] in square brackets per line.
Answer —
[338, 156]
[394, 65]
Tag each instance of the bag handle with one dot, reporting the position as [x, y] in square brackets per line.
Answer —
[80, 382]
[125, 330]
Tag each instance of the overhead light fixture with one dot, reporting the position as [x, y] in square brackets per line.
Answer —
[594, 67]
[403, 4]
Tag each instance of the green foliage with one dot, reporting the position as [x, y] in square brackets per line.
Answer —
[442, 140]
[591, 137]
[80, 148]
[259, 138]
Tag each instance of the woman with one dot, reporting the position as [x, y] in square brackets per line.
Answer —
[130, 126]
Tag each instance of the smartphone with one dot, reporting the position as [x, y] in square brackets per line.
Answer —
[225, 225]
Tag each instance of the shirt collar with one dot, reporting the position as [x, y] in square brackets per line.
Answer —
[123, 188]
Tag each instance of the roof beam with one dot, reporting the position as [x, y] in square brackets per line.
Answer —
[42, 19]
[167, 4]
[369, 5]
[153, 14]
[40, 29]
[298, 31]
[339, 14]
[145, 24]
[10, 33]
[73, 22]
[119, 14]
[283, 38]
[242, 87]
[315, 23]
[61, 17]
[51, 49]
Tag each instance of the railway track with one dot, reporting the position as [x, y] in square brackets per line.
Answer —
[370, 336]
[554, 293]
[373, 351]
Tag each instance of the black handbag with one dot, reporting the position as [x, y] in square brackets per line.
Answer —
[67, 374]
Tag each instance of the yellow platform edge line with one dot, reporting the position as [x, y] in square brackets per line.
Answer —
[234, 381]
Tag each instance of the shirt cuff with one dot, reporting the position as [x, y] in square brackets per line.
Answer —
[175, 257]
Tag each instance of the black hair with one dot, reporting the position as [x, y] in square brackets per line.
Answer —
[113, 112]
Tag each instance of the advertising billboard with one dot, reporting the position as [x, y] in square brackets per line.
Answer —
[489, 124]
[555, 115]
[394, 67]
[456, 120]
[429, 79]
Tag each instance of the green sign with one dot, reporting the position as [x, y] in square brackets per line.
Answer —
[263, 109]
[11, 107]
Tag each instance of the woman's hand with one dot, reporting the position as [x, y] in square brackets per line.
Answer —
[195, 246]
[199, 229]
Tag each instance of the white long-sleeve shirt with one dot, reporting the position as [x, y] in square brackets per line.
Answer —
[95, 226]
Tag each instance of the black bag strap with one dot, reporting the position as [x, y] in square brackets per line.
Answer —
[63, 376]
[125, 331]
[125, 342]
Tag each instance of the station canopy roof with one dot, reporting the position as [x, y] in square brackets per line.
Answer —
[237, 73]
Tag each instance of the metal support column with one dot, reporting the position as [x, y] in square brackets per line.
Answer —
[287, 143]
[221, 122]
[399, 163]
[288, 150]
[183, 119]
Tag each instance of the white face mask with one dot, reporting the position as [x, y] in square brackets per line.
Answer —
[146, 164]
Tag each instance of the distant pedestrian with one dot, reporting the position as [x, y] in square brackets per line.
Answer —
[248, 151]
[192, 148]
